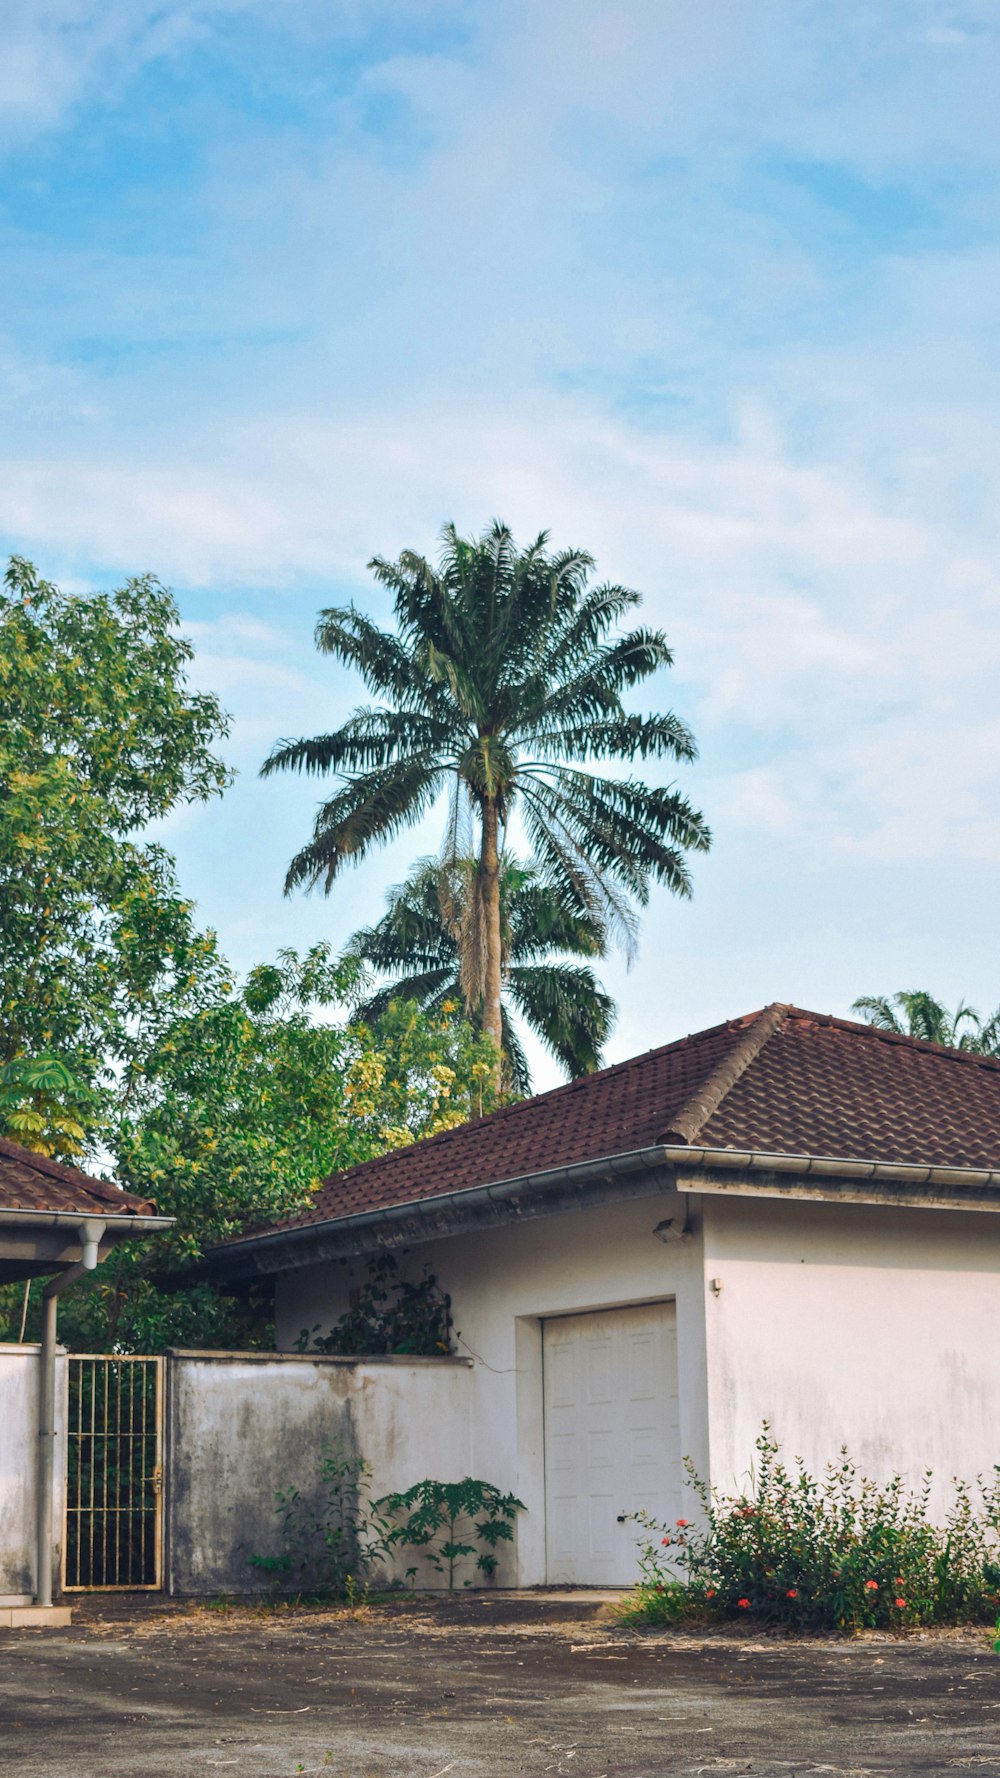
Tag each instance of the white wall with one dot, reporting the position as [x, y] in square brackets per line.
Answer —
[19, 1469]
[873, 1327]
[503, 1282]
[241, 1426]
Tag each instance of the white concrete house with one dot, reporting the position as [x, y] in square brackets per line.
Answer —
[788, 1217]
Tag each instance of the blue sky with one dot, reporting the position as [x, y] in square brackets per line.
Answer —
[710, 290]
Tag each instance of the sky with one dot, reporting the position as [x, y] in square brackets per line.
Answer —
[710, 290]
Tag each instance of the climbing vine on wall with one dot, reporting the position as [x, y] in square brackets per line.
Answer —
[388, 1314]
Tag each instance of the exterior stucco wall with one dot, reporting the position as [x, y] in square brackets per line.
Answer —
[19, 1469]
[503, 1283]
[242, 1426]
[858, 1325]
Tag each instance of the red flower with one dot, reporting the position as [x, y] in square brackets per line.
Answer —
[664, 1540]
[871, 1586]
[683, 1523]
[900, 1603]
[744, 1604]
[899, 1580]
[711, 1593]
[793, 1593]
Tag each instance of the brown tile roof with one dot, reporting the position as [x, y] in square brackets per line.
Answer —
[781, 1080]
[31, 1182]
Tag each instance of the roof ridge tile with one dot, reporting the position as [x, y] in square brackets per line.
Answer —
[701, 1106]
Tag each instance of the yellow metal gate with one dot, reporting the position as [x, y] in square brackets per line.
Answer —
[114, 1479]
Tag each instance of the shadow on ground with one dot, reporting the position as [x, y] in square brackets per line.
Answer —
[494, 1687]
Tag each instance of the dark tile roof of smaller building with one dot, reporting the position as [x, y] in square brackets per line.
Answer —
[32, 1182]
[780, 1081]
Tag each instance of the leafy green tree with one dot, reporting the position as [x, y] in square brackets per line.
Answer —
[422, 946]
[502, 678]
[100, 736]
[44, 1107]
[918, 1014]
[236, 1114]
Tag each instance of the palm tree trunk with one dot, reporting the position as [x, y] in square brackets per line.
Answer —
[489, 891]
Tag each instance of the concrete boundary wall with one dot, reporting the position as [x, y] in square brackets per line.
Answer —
[241, 1426]
[19, 1470]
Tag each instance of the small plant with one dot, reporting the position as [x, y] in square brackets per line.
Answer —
[388, 1314]
[655, 1602]
[836, 1553]
[440, 1518]
[331, 1541]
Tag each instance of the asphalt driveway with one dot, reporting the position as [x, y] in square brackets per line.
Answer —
[494, 1688]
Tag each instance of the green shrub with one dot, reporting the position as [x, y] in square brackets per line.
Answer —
[440, 1518]
[838, 1553]
[388, 1314]
[331, 1539]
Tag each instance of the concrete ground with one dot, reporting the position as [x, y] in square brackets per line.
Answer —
[494, 1687]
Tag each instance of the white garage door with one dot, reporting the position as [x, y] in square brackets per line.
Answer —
[612, 1439]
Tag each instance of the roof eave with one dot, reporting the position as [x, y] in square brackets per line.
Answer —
[128, 1221]
[642, 1172]
[639, 1173]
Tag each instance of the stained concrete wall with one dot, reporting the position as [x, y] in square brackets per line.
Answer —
[857, 1324]
[19, 1469]
[503, 1283]
[241, 1426]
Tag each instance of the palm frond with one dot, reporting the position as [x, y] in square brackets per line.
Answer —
[619, 737]
[366, 811]
[878, 1011]
[369, 738]
[563, 858]
[989, 1035]
[916, 1013]
[632, 831]
[545, 916]
[382, 659]
[568, 1009]
[429, 988]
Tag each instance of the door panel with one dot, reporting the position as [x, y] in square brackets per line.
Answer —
[612, 1437]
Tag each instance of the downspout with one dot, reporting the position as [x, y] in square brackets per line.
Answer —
[55, 1288]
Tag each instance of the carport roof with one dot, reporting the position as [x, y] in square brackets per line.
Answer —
[31, 1182]
[781, 1081]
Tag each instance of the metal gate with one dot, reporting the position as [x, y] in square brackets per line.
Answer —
[114, 1478]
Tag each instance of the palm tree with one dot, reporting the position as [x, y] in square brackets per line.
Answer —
[422, 944]
[918, 1014]
[501, 677]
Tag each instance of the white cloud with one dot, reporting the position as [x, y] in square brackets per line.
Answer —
[571, 287]
[813, 610]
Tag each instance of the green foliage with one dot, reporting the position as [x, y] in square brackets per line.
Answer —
[504, 676]
[44, 1107]
[421, 946]
[655, 1601]
[101, 735]
[235, 1113]
[918, 1014]
[338, 1535]
[442, 1520]
[242, 1109]
[330, 1540]
[388, 1314]
[835, 1553]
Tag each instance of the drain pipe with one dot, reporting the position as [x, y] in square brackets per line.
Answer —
[54, 1289]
